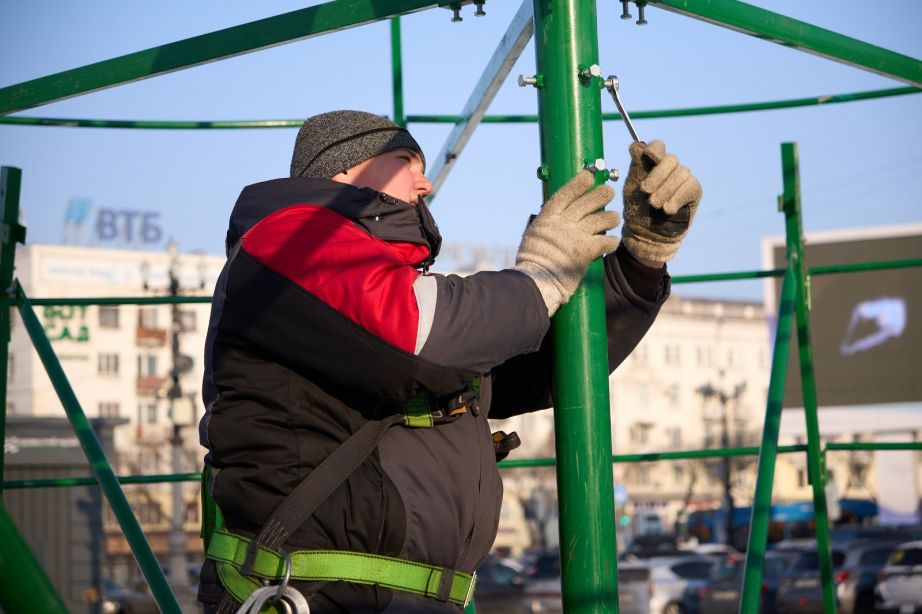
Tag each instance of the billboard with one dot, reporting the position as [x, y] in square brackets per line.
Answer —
[865, 327]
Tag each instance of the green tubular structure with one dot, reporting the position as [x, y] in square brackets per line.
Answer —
[397, 73]
[97, 457]
[289, 27]
[24, 586]
[10, 233]
[454, 119]
[816, 470]
[566, 41]
[800, 35]
[765, 476]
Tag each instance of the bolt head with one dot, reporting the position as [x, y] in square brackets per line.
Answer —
[597, 165]
[614, 175]
[594, 70]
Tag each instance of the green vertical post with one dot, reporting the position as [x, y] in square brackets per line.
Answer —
[768, 453]
[24, 586]
[10, 234]
[99, 464]
[570, 121]
[397, 73]
[816, 470]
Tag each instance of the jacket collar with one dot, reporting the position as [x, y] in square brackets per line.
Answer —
[379, 214]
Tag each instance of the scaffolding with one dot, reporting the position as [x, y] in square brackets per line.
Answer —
[570, 119]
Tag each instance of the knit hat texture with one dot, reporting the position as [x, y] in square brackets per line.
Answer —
[329, 143]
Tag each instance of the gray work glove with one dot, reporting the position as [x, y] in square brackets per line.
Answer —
[660, 199]
[564, 238]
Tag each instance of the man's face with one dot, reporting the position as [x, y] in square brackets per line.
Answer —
[398, 173]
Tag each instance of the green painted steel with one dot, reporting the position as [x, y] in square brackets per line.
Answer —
[896, 445]
[92, 481]
[566, 41]
[397, 73]
[97, 457]
[454, 119]
[800, 35]
[24, 585]
[688, 111]
[121, 300]
[816, 470]
[10, 233]
[768, 454]
[261, 34]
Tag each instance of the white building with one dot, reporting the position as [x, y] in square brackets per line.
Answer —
[118, 359]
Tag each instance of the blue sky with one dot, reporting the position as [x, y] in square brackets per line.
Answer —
[860, 162]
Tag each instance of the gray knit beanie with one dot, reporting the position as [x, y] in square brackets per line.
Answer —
[329, 143]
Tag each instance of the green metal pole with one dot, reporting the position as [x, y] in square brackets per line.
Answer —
[569, 107]
[11, 233]
[816, 470]
[24, 586]
[99, 464]
[762, 500]
[397, 73]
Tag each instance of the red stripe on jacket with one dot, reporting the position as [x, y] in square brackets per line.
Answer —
[368, 280]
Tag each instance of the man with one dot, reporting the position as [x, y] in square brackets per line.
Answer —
[347, 389]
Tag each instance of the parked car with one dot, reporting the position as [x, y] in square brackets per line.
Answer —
[635, 589]
[118, 599]
[499, 587]
[856, 579]
[899, 583]
[723, 590]
[675, 582]
[800, 590]
[653, 544]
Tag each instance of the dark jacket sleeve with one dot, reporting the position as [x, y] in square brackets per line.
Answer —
[634, 294]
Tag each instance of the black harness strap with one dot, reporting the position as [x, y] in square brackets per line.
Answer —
[317, 486]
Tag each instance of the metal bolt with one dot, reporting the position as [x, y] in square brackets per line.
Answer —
[592, 71]
[596, 165]
[543, 172]
[456, 10]
[640, 18]
[626, 13]
[614, 175]
[479, 12]
[525, 80]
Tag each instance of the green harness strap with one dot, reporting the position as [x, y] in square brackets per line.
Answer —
[230, 551]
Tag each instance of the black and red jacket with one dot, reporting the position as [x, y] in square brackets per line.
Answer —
[322, 321]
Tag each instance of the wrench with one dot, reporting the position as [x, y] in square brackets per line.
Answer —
[611, 84]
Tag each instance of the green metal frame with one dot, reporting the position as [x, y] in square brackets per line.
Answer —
[571, 136]
[568, 106]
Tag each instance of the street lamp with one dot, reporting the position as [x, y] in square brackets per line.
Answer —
[707, 392]
[179, 364]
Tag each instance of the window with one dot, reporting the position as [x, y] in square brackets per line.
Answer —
[10, 366]
[147, 317]
[147, 365]
[108, 316]
[673, 354]
[107, 364]
[675, 437]
[678, 474]
[639, 355]
[188, 321]
[148, 411]
[108, 409]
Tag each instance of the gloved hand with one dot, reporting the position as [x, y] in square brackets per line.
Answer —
[660, 199]
[564, 238]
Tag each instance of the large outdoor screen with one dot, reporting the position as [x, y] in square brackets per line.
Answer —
[865, 327]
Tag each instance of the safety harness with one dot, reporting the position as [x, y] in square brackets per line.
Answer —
[246, 566]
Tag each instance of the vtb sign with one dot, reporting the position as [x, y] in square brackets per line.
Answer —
[125, 226]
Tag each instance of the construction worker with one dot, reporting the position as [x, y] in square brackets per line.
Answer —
[348, 389]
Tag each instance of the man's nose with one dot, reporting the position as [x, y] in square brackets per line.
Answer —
[423, 185]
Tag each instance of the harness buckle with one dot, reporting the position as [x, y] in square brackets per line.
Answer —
[470, 590]
[284, 584]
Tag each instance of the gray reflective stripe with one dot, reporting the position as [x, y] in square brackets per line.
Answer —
[425, 290]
